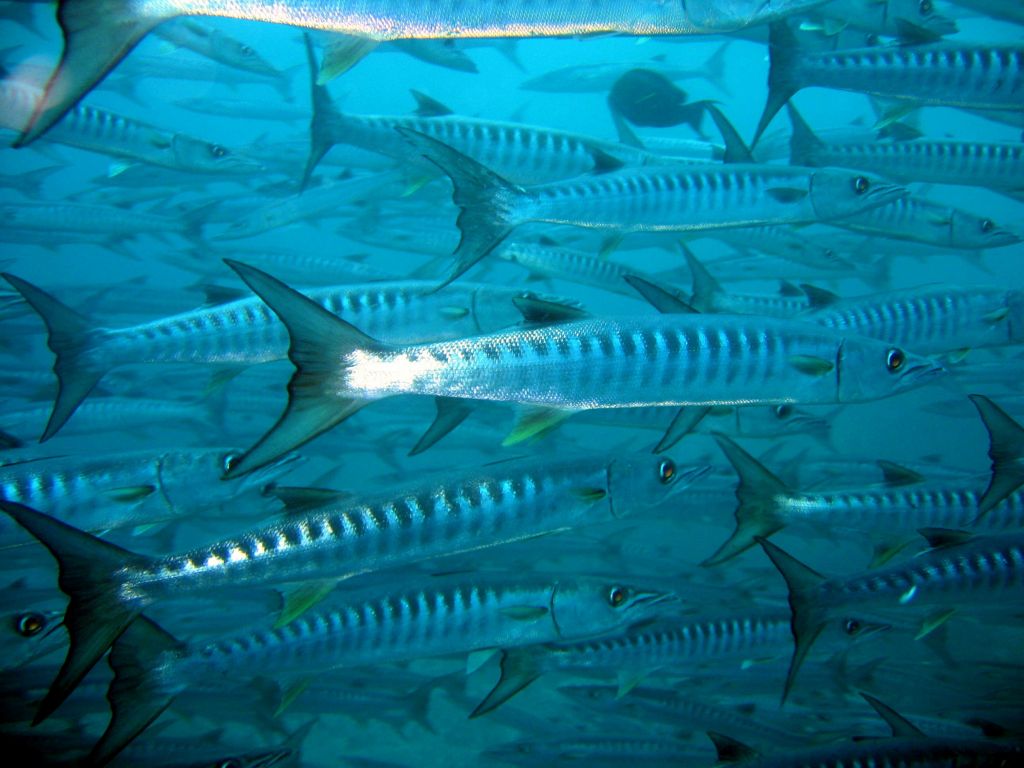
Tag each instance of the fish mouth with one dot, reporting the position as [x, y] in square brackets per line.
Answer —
[922, 373]
[806, 424]
[881, 194]
[648, 599]
[687, 477]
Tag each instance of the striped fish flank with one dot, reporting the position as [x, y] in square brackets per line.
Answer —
[245, 332]
[660, 360]
[109, 586]
[944, 74]
[967, 570]
[149, 670]
[105, 132]
[931, 319]
[98, 33]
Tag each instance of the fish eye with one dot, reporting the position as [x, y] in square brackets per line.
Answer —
[230, 461]
[30, 624]
[783, 411]
[861, 185]
[894, 359]
[852, 626]
[245, 50]
[925, 7]
[666, 471]
[987, 225]
[616, 596]
[217, 150]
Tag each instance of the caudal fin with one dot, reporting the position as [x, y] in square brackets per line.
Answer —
[136, 697]
[487, 203]
[519, 668]
[95, 615]
[1006, 450]
[73, 340]
[784, 52]
[804, 145]
[319, 346]
[97, 35]
[757, 513]
[323, 120]
[808, 615]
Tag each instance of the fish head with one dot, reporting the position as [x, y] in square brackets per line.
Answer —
[26, 635]
[242, 56]
[208, 157]
[588, 607]
[922, 15]
[643, 481]
[870, 369]
[836, 192]
[970, 231]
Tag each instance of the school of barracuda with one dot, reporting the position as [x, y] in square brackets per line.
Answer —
[699, 449]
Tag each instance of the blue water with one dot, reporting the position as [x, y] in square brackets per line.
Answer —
[969, 668]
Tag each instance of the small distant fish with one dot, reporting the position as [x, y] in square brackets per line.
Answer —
[647, 98]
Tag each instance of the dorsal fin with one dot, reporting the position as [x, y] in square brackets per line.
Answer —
[943, 538]
[427, 106]
[819, 298]
[896, 475]
[803, 143]
[736, 151]
[705, 287]
[729, 750]
[665, 301]
[901, 727]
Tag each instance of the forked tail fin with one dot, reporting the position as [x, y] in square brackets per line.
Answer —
[71, 338]
[95, 615]
[1006, 450]
[784, 52]
[319, 346]
[756, 507]
[808, 615]
[488, 204]
[322, 120]
[97, 35]
[136, 696]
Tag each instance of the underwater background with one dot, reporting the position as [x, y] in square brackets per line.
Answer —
[120, 241]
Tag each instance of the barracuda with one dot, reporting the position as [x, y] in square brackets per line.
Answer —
[921, 221]
[107, 133]
[150, 669]
[666, 645]
[670, 198]
[99, 33]
[766, 505]
[983, 569]
[524, 153]
[246, 332]
[931, 319]
[109, 586]
[128, 489]
[591, 363]
[999, 167]
[908, 746]
[943, 74]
